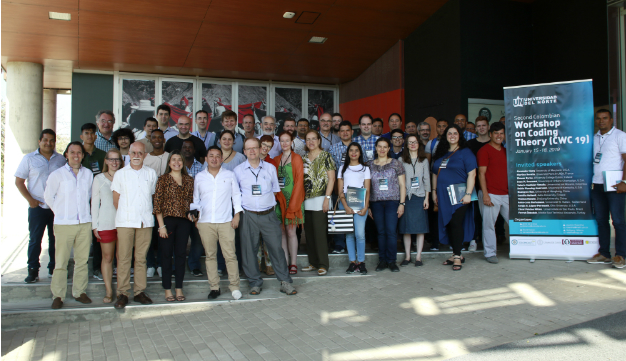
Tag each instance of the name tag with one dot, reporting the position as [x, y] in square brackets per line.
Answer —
[444, 163]
[597, 159]
[256, 190]
[415, 183]
[95, 167]
[281, 182]
[383, 184]
[369, 154]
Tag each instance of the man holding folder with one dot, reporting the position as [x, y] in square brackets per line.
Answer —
[609, 154]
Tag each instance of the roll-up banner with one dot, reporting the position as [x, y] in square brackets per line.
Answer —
[549, 141]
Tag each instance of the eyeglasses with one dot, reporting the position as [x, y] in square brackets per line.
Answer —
[413, 143]
[113, 159]
[252, 148]
[397, 137]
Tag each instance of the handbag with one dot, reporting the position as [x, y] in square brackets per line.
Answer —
[339, 222]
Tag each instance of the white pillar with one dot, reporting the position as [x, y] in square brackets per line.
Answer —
[24, 115]
[49, 109]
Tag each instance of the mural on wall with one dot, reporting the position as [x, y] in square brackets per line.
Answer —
[179, 97]
[138, 98]
[216, 99]
[320, 101]
[287, 105]
[252, 100]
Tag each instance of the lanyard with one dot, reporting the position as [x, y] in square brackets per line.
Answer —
[439, 171]
[328, 140]
[256, 176]
[602, 142]
[414, 164]
[281, 160]
[231, 153]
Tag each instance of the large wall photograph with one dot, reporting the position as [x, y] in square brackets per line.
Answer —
[138, 97]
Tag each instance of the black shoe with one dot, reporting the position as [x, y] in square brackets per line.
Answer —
[393, 267]
[362, 268]
[405, 263]
[418, 263]
[33, 276]
[197, 273]
[122, 301]
[351, 267]
[213, 294]
[381, 266]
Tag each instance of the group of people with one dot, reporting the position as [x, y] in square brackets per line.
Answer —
[246, 201]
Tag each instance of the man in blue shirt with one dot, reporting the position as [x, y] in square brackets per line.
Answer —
[461, 121]
[36, 167]
[367, 140]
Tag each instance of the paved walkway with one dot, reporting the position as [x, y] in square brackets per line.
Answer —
[428, 312]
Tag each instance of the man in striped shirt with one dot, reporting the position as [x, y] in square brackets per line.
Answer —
[367, 140]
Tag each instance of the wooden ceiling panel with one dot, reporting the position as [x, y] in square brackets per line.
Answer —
[38, 46]
[109, 51]
[249, 38]
[178, 9]
[130, 28]
[131, 68]
[32, 19]
[230, 59]
[352, 47]
[398, 6]
[328, 66]
[71, 4]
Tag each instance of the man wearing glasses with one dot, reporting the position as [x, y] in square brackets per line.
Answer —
[269, 126]
[105, 121]
[328, 137]
[258, 183]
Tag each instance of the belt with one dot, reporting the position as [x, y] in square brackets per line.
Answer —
[261, 213]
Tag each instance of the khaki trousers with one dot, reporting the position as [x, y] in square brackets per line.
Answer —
[77, 236]
[210, 233]
[140, 238]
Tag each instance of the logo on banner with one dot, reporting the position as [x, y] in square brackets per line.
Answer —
[520, 102]
[514, 242]
[573, 242]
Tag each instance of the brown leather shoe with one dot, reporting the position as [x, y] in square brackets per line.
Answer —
[83, 298]
[122, 300]
[57, 303]
[143, 299]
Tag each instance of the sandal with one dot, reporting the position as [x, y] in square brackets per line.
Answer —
[170, 298]
[309, 268]
[450, 262]
[293, 269]
[180, 298]
[107, 299]
[457, 267]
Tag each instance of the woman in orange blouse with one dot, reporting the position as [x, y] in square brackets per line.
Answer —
[172, 197]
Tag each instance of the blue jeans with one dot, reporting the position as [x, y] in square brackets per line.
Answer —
[38, 219]
[386, 218]
[613, 203]
[195, 249]
[359, 232]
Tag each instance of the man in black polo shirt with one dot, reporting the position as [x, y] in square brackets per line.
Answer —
[176, 142]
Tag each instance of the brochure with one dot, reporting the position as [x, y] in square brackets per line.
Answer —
[457, 192]
[355, 197]
[611, 178]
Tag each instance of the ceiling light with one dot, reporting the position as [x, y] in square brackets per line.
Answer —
[289, 15]
[317, 40]
[59, 16]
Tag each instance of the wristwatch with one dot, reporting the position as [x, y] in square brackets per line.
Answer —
[328, 197]
[403, 203]
[468, 194]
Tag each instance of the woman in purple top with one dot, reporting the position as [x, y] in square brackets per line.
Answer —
[386, 203]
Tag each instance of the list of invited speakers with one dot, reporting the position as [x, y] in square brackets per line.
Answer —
[548, 191]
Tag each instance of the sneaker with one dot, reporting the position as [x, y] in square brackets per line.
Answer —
[220, 272]
[97, 274]
[236, 294]
[50, 272]
[197, 273]
[336, 251]
[393, 267]
[492, 259]
[362, 268]
[213, 294]
[132, 272]
[598, 258]
[381, 266]
[287, 288]
[619, 262]
[472, 246]
[115, 272]
[150, 272]
[33, 276]
[434, 249]
[351, 268]
[159, 271]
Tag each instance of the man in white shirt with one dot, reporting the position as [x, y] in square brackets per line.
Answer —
[133, 188]
[258, 184]
[216, 192]
[149, 125]
[609, 151]
[163, 116]
[269, 126]
[36, 168]
[202, 122]
[328, 137]
[68, 192]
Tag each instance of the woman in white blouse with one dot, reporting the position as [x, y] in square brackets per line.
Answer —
[103, 216]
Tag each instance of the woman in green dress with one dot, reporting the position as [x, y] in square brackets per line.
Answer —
[291, 197]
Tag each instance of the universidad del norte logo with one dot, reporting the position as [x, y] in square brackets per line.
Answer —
[520, 102]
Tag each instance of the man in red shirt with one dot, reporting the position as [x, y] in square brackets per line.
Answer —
[493, 198]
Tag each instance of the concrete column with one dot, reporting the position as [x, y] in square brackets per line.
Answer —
[49, 109]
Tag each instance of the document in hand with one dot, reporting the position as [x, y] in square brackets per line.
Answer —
[457, 192]
[611, 178]
[356, 198]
